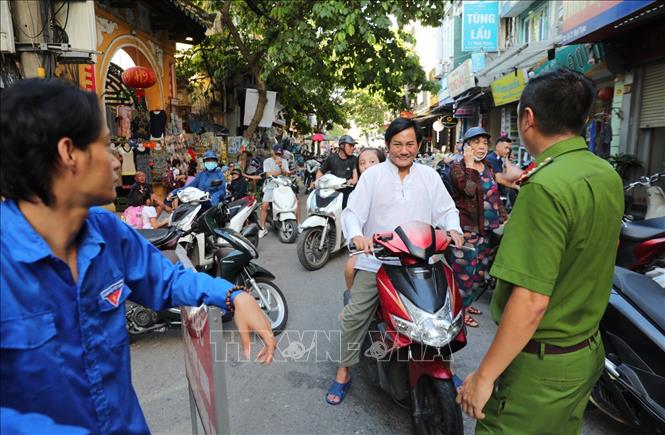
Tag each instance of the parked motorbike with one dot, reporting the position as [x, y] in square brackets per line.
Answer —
[642, 245]
[232, 256]
[631, 388]
[321, 233]
[282, 212]
[418, 326]
[655, 205]
[194, 202]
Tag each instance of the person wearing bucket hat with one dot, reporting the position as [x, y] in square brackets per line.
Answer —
[211, 179]
[477, 198]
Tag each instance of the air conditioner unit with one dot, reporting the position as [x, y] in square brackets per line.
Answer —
[6, 29]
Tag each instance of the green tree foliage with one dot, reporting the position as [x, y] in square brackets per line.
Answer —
[367, 111]
[310, 51]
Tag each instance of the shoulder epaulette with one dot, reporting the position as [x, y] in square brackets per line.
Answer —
[532, 169]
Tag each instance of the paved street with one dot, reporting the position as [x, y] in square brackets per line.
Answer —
[288, 397]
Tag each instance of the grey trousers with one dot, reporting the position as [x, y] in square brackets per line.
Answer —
[357, 316]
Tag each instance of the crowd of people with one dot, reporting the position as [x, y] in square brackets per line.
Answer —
[66, 275]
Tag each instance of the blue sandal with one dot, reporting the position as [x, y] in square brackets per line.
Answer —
[338, 390]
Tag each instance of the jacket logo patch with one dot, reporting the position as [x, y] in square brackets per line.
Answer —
[112, 293]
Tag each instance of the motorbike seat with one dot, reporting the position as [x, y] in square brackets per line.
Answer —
[156, 236]
[234, 207]
[643, 292]
[643, 230]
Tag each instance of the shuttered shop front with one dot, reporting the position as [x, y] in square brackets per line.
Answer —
[652, 110]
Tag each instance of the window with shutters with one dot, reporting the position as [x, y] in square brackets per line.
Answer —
[652, 109]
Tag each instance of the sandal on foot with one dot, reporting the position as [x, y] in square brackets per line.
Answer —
[339, 390]
[474, 310]
[470, 321]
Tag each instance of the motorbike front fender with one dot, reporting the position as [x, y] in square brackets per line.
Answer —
[314, 221]
[436, 369]
[256, 271]
[285, 216]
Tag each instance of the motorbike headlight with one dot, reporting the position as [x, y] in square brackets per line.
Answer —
[434, 330]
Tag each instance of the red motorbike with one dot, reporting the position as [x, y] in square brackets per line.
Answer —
[642, 245]
[418, 326]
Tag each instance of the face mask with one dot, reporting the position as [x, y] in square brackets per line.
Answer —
[211, 166]
[480, 159]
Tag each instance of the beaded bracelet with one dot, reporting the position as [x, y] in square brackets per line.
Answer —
[230, 307]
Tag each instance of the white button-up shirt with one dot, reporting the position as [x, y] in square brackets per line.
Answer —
[382, 201]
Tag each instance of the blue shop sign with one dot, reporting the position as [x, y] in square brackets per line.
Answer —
[480, 26]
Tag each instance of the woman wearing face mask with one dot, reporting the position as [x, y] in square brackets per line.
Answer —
[476, 196]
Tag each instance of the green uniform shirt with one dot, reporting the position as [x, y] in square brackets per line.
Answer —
[561, 241]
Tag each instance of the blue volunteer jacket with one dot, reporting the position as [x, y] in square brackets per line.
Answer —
[204, 181]
[64, 352]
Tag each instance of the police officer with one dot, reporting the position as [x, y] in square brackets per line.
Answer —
[554, 269]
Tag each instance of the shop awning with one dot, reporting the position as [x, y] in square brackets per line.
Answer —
[523, 56]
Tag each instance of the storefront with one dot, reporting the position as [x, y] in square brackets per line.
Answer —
[633, 37]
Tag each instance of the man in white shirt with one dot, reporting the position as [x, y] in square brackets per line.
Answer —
[387, 195]
[273, 167]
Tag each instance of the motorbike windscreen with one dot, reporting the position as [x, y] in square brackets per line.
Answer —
[425, 286]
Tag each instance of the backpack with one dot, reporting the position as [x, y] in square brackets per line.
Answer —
[444, 172]
[169, 180]
[133, 216]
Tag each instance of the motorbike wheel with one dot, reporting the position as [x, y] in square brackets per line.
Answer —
[287, 231]
[277, 309]
[309, 254]
[441, 414]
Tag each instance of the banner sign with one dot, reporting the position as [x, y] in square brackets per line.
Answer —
[461, 78]
[508, 88]
[252, 100]
[583, 17]
[480, 26]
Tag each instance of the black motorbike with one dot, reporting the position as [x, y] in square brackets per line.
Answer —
[631, 388]
[233, 255]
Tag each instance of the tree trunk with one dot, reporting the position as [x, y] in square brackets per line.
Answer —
[260, 107]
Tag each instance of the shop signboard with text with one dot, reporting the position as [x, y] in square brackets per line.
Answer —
[508, 88]
[583, 58]
[480, 26]
[461, 78]
[582, 17]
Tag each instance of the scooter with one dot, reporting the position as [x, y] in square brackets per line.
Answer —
[194, 202]
[321, 233]
[232, 256]
[631, 388]
[282, 212]
[418, 326]
[642, 245]
[655, 206]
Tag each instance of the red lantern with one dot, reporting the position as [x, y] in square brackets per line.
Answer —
[140, 78]
[606, 93]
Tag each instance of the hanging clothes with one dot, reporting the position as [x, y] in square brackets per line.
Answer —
[141, 125]
[128, 165]
[143, 163]
[125, 121]
[157, 123]
[111, 121]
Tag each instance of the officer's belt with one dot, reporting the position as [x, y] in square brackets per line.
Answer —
[533, 346]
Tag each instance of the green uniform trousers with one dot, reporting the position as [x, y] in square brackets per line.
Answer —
[544, 394]
[357, 316]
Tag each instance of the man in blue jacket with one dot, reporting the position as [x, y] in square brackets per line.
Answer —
[211, 179]
[67, 270]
